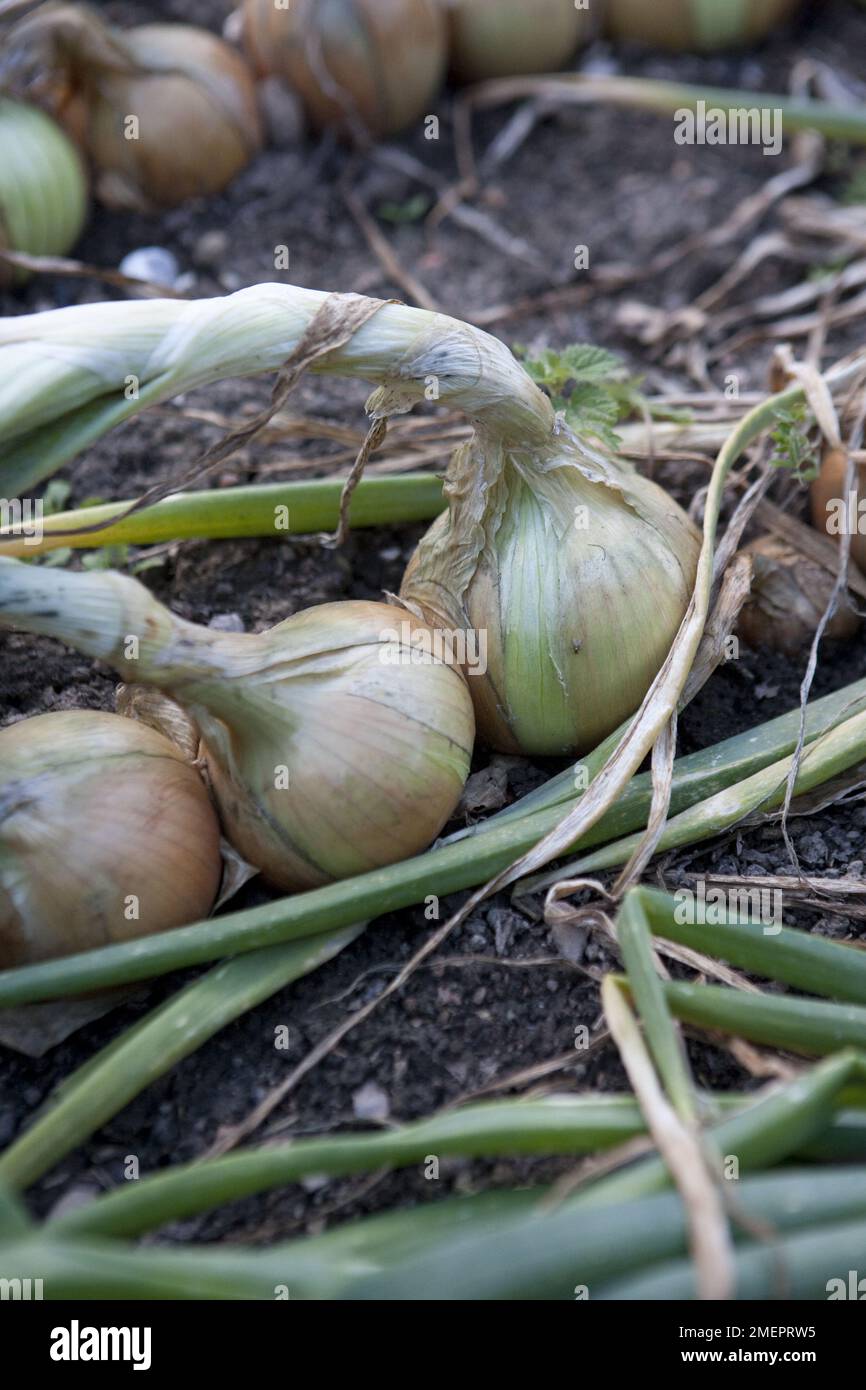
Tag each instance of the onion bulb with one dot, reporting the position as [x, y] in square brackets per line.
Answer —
[106, 833]
[377, 62]
[702, 25]
[788, 598]
[505, 38]
[573, 571]
[335, 743]
[43, 188]
[165, 112]
[832, 511]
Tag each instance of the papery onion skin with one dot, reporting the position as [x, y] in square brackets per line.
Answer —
[97, 811]
[43, 186]
[165, 112]
[376, 765]
[328, 756]
[507, 38]
[384, 59]
[789, 595]
[699, 25]
[199, 126]
[577, 577]
[829, 502]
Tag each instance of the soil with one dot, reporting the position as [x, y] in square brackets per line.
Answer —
[615, 182]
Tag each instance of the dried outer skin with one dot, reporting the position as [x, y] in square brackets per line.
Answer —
[789, 595]
[695, 24]
[506, 38]
[199, 120]
[383, 60]
[376, 749]
[575, 571]
[97, 811]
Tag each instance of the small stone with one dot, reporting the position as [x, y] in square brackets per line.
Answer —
[152, 263]
[227, 622]
[371, 1103]
[314, 1182]
[79, 1195]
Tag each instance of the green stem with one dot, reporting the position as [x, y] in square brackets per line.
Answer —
[269, 509]
[791, 957]
[557, 1125]
[807, 1026]
[667, 98]
[779, 1124]
[100, 1088]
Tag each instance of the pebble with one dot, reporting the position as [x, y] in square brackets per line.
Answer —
[152, 263]
[79, 1195]
[371, 1103]
[227, 622]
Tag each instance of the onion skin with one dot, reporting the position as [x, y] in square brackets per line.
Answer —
[198, 130]
[386, 57]
[43, 186]
[96, 809]
[192, 95]
[507, 38]
[356, 800]
[577, 621]
[789, 595]
[326, 755]
[829, 488]
[695, 25]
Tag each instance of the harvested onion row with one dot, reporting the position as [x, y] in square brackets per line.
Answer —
[335, 743]
[569, 569]
[164, 111]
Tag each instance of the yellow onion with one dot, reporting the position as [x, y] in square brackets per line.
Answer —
[504, 38]
[789, 596]
[165, 112]
[833, 511]
[702, 25]
[43, 188]
[573, 571]
[106, 833]
[335, 743]
[380, 62]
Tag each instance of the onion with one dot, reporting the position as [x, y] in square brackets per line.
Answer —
[336, 742]
[380, 62]
[166, 112]
[505, 38]
[705, 25]
[573, 570]
[832, 510]
[789, 595]
[106, 833]
[43, 188]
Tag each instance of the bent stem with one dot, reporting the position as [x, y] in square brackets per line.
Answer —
[65, 374]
